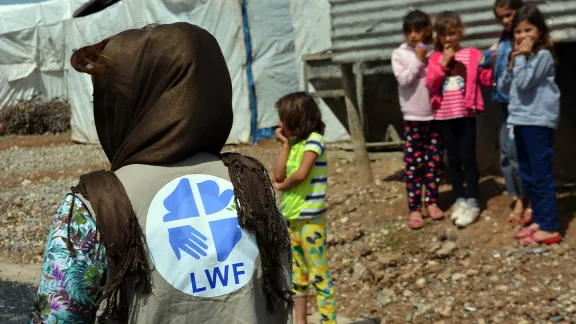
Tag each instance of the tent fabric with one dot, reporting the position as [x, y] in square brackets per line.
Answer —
[311, 23]
[278, 62]
[93, 6]
[32, 49]
[210, 15]
[256, 133]
[274, 65]
[36, 41]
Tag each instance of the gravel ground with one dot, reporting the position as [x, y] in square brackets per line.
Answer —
[383, 271]
[25, 215]
[49, 159]
[34, 181]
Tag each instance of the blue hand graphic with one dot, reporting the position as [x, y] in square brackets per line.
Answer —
[180, 203]
[226, 233]
[212, 199]
[189, 240]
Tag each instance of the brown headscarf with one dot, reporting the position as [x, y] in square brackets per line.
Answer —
[161, 95]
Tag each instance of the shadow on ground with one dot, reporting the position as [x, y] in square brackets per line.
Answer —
[15, 302]
[315, 318]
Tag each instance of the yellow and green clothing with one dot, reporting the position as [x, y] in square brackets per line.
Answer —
[310, 264]
[304, 207]
[307, 200]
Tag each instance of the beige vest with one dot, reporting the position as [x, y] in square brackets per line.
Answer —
[205, 269]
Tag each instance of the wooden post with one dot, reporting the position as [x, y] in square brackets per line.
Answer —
[359, 67]
[356, 129]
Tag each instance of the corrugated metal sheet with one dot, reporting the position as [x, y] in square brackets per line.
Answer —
[369, 30]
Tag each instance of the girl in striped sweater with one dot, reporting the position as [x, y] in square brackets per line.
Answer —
[301, 174]
[453, 79]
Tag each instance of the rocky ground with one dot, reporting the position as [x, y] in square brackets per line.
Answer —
[384, 272]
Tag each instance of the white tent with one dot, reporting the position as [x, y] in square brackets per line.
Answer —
[32, 49]
[36, 41]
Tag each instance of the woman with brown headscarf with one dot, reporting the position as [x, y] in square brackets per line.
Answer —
[176, 231]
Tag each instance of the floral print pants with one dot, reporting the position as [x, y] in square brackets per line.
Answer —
[310, 263]
[423, 151]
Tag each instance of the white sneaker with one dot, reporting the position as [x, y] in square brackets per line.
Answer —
[457, 210]
[469, 216]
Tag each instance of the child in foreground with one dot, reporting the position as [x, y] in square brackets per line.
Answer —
[300, 173]
[453, 79]
[422, 142]
[534, 111]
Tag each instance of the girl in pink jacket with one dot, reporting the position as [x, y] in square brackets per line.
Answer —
[453, 79]
[422, 143]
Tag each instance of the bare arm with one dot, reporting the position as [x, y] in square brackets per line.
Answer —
[279, 173]
[301, 174]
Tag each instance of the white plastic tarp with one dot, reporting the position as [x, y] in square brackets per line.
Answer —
[274, 66]
[36, 41]
[81, 32]
[221, 18]
[32, 49]
[281, 32]
[311, 23]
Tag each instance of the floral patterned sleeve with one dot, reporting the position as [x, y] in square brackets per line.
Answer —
[69, 282]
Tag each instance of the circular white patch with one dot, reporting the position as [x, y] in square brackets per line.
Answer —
[194, 238]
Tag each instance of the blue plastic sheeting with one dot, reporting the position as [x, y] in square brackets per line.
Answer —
[262, 133]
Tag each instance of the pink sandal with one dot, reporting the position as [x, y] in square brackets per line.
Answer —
[415, 222]
[438, 215]
[554, 239]
[524, 218]
[526, 232]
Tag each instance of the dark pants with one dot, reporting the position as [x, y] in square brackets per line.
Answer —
[423, 153]
[508, 157]
[460, 141]
[535, 147]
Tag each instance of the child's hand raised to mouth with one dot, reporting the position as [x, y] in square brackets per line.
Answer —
[421, 51]
[525, 46]
[280, 136]
[447, 55]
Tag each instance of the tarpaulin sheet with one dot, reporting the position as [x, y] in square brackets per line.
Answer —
[311, 23]
[274, 58]
[36, 41]
[32, 46]
[221, 18]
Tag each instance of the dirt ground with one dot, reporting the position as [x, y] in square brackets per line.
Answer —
[13, 142]
[390, 274]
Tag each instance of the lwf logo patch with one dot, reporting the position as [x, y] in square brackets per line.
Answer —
[194, 237]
